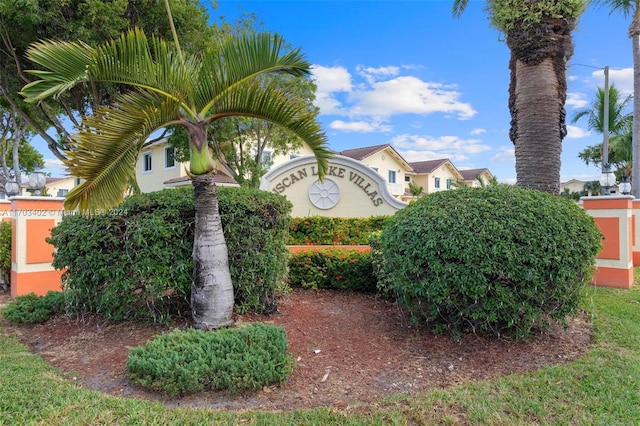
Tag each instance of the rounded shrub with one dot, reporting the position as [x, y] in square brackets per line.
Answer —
[495, 260]
[135, 262]
[234, 359]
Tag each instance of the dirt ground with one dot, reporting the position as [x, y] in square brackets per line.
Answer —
[348, 347]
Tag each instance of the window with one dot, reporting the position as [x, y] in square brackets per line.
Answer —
[266, 158]
[449, 183]
[169, 157]
[146, 162]
[392, 176]
[62, 192]
[437, 182]
[407, 179]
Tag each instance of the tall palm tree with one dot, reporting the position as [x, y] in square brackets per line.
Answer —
[620, 123]
[632, 8]
[168, 88]
[538, 34]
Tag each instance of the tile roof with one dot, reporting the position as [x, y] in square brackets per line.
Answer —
[427, 166]
[364, 152]
[472, 174]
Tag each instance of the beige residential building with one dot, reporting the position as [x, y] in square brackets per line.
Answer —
[59, 186]
[473, 177]
[157, 169]
[385, 160]
[435, 175]
[574, 185]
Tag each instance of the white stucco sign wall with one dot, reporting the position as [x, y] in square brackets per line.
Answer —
[350, 188]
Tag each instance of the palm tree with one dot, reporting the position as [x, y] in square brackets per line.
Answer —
[631, 8]
[191, 91]
[538, 34]
[620, 124]
[491, 182]
[415, 190]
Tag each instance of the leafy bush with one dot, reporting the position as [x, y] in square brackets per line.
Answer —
[378, 268]
[5, 253]
[324, 230]
[32, 309]
[500, 260]
[332, 268]
[136, 261]
[233, 359]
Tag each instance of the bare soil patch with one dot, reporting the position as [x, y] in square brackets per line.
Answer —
[348, 347]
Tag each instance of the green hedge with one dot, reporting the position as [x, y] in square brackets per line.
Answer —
[135, 262]
[498, 260]
[234, 359]
[334, 230]
[332, 268]
[5, 253]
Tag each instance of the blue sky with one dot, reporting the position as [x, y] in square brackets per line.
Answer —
[408, 74]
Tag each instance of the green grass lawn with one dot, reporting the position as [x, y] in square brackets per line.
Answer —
[601, 388]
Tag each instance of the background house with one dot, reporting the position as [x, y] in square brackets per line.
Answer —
[476, 177]
[385, 160]
[435, 175]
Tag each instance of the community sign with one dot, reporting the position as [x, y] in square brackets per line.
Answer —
[349, 189]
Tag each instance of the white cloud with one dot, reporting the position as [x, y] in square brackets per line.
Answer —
[379, 96]
[55, 167]
[330, 80]
[622, 78]
[420, 148]
[415, 155]
[409, 95]
[505, 154]
[373, 74]
[478, 131]
[576, 100]
[359, 126]
[575, 132]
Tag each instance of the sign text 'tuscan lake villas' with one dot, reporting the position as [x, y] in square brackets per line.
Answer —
[361, 181]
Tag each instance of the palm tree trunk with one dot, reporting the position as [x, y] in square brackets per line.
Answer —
[212, 290]
[537, 125]
[634, 33]
[537, 93]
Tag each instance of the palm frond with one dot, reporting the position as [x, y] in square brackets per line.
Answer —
[131, 59]
[106, 149]
[66, 66]
[265, 101]
[241, 59]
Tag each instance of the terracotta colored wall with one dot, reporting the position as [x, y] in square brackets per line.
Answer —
[32, 220]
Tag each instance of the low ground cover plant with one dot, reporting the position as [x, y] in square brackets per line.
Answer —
[239, 359]
[498, 260]
[33, 309]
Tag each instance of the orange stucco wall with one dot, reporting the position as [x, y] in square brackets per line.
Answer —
[38, 250]
[613, 277]
[35, 282]
[610, 228]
